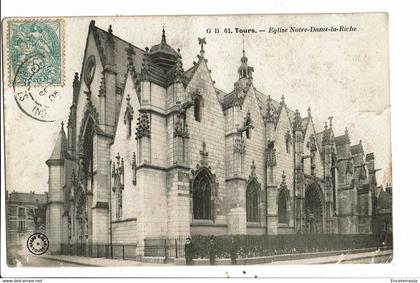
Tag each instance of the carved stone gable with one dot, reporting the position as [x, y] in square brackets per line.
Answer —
[271, 114]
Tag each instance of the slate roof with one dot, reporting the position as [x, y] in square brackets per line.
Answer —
[60, 146]
[341, 140]
[370, 156]
[121, 60]
[262, 99]
[291, 114]
[220, 94]
[229, 99]
[356, 149]
[305, 123]
[188, 74]
[163, 47]
[156, 73]
[18, 197]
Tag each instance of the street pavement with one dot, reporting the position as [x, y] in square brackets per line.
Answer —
[377, 256]
[29, 260]
[39, 261]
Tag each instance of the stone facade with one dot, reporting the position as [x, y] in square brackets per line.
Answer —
[156, 151]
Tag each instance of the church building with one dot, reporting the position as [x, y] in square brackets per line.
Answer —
[155, 150]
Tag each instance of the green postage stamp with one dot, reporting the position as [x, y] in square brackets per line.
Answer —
[35, 52]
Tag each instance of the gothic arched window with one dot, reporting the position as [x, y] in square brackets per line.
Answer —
[252, 202]
[202, 196]
[197, 108]
[87, 148]
[282, 207]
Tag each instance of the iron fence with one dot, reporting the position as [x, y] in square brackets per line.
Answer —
[122, 251]
[246, 246]
[166, 248]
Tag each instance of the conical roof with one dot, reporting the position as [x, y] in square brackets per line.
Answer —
[60, 145]
[163, 54]
[163, 47]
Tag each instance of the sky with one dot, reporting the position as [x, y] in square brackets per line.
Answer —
[339, 74]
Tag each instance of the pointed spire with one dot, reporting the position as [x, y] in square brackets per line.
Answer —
[244, 59]
[92, 24]
[163, 35]
[60, 146]
[244, 70]
[178, 67]
[76, 79]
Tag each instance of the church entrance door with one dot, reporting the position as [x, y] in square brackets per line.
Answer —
[313, 209]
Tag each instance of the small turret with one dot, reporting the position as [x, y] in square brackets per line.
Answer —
[163, 54]
[244, 70]
[60, 146]
[55, 213]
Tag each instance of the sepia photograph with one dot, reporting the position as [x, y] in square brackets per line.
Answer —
[197, 140]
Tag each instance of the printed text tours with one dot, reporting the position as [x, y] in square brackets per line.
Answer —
[276, 30]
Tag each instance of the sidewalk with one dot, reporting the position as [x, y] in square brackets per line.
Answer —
[332, 257]
[377, 256]
[97, 262]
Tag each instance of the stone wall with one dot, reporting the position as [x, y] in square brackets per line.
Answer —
[124, 232]
[255, 148]
[210, 130]
[284, 159]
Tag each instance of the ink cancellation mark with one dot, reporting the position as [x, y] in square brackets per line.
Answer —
[36, 103]
[36, 64]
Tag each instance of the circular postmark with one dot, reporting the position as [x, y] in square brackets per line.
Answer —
[36, 102]
[37, 243]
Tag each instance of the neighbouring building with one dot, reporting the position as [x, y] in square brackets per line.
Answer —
[383, 212]
[25, 214]
[158, 151]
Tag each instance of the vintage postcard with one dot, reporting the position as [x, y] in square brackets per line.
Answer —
[197, 140]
